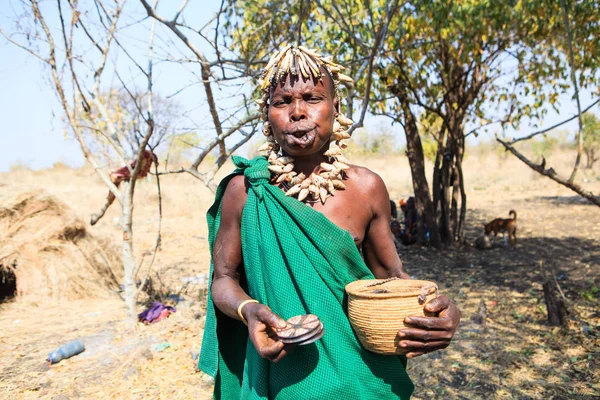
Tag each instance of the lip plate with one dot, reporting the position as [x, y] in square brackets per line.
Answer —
[305, 139]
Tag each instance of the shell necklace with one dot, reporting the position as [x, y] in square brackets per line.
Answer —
[319, 185]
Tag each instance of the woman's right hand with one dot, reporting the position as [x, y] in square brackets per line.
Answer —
[261, 325]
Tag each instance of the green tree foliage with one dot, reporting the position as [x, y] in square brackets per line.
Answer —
[182, 148]
[591, 138]
[430, 125]
[468, 63]
[544, 146]
[375, 142]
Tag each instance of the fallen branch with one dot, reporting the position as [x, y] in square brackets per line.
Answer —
[550, 173]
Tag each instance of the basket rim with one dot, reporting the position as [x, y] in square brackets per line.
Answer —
[353, 289]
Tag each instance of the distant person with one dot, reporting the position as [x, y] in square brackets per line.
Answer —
[409, 231]
[394, 210]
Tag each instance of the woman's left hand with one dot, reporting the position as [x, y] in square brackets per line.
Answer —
[427, 334]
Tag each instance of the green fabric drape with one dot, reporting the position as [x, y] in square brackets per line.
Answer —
[296, 261]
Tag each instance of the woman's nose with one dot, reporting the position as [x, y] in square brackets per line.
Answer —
[297, 111]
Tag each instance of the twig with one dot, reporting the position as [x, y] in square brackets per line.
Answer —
[33, 53]
[183, 4]
[219, 139]
[558, 285]
[175, 171]
[150, 118]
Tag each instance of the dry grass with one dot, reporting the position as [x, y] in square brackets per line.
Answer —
[515, 356]
[50, 251]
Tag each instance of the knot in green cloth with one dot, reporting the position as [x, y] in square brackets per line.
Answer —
[256, 171]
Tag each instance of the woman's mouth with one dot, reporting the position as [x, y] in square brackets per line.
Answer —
[301, 138]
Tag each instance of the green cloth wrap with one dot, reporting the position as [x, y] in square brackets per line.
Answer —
[296, 261]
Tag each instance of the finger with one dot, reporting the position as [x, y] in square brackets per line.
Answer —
[423, 335]
[270, 318]
[282, 353]
[430, 323]
[272, 334]
[438, 304]
[414, 354]
[270, 351]
[411, 345]
[262, 334]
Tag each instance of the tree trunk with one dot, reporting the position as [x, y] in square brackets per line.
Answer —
[444, 191]
[452, 195]
[416, 160]
[455, 198]
[421, 188]
[128, 258]
[590, 158]
[557, 312]
[463, 204]
[437, 177]
[459, 232]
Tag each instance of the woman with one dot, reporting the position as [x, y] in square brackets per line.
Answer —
[287, 233]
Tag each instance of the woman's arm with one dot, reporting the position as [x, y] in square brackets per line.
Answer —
[425, 334]
[226, 292]
[379, 249]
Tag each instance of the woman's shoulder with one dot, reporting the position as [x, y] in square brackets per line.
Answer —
[236, 193]
[366, 178]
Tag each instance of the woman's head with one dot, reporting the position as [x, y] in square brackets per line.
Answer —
[300, 102]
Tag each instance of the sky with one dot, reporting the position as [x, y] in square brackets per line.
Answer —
[33, 123]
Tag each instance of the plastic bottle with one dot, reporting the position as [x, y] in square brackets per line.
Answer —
[66, 351]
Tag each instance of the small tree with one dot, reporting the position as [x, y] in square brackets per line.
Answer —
[63, 39]
[87, 48]
[591, 138]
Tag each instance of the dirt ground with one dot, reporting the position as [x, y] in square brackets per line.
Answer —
[514, 355]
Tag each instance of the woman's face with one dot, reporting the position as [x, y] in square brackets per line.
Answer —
[301, 114]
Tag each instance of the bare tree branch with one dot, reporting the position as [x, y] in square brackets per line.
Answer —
[150, 118]
[554, 126]
[376, 49]
[51, 61]
[22, 46]
[181, 8]
[574, 81]
[158, 237]
[222, 137]
[204, 69]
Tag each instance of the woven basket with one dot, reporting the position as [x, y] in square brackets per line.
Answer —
[377, 308]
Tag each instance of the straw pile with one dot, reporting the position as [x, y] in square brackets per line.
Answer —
[49, 251]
